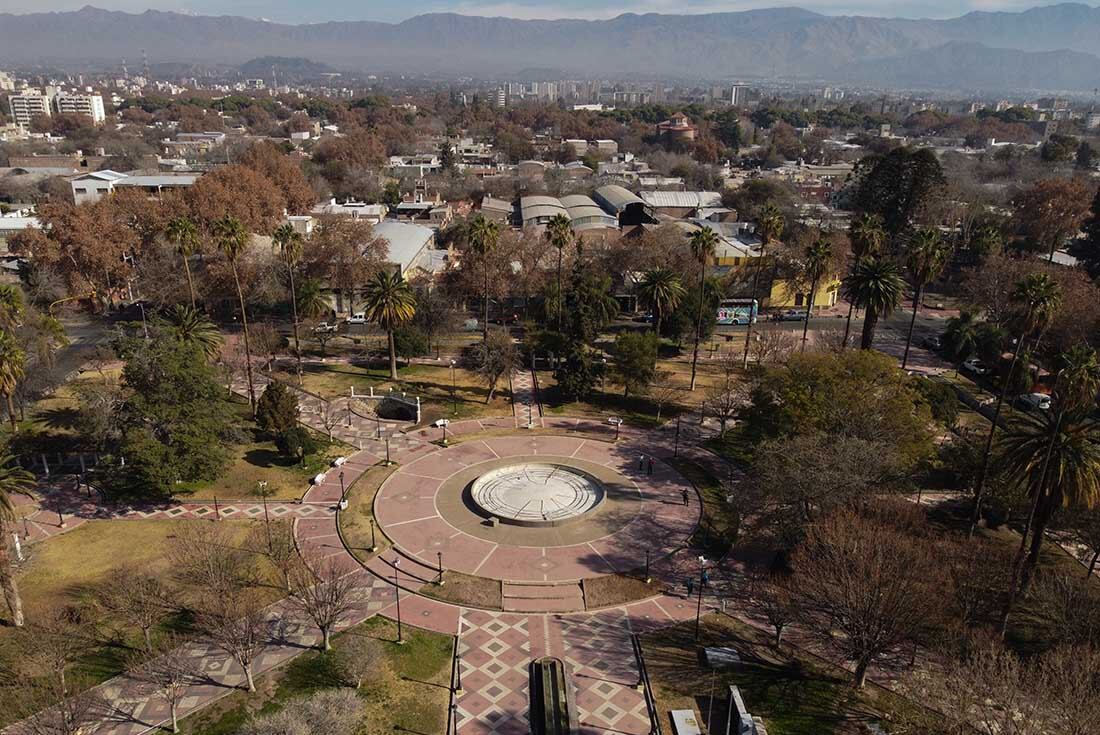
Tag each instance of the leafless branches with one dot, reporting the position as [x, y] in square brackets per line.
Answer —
[167, 673]
[136, 600]
[324, 595]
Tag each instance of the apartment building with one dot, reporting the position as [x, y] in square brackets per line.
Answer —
[27, 106]
[81, 104]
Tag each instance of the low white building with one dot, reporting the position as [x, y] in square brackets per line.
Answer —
[90, 187]
[373, 213]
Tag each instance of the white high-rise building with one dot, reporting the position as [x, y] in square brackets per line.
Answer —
[81, 104]
[739, 95]
[27, 106]
[6, 82]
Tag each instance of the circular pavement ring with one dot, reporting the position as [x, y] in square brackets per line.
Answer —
[536, 494]
[620, 505]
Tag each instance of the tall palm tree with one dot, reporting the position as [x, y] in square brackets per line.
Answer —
[390, 303]
[874, 285]
[13, 479]
[704, 242]
[311, 298]
[290, 243]
[817, 263]
[233, 238]
[11, 306]
[769, 225]
[662, 292]
[926, 259]
[559, 231]
[1036, 297]
[183, 233]
[191, 326]
[867, 235]
[484, 234]
[1056, 457]
[13, 364]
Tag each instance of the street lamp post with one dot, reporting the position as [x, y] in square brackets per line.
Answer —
[648, 578]
[454, 388]
[458, 672]
[699, 604]
[397, 592]
[676, 445]
[616, 422]
[439, 560]
[388, 451]
[373, 543]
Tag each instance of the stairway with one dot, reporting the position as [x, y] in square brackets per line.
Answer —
[557, 597]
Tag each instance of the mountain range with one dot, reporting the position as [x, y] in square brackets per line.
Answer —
[1055, 47]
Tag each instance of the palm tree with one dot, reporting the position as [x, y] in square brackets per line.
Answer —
[874, 285]
[185, 235]
[703, 243]
[1036, 297]
[867, 236]
[13, 479]
[13, 364]
[962, 339]
[484, 235]
[311, 298]
[290, 244]
[926, 260]
[559, 231]
[191, 326]
[769, 225]
[233, 239]
[11, 306]
[1055, 459]
[662, 292]
[390, 303]
[816, 265]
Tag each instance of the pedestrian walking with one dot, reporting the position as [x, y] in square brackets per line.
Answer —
[641, 463]
[691, 586]
[649, 470]
[704, 578]
[684, 495]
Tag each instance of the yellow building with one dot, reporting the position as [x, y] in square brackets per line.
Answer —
[787, 294]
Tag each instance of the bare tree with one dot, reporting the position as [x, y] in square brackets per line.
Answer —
[49, 709]
[725, 399]
[1084, 530]
[333, 413]
[167, 673]
[275, 542]
[771, 600]
[662, 391]
[323, 594]
[136, 600]
[865, 587]
[205, 555]
[56, 640]
[359, 657]
[234, 622]
[772, 346]
[328, 712]
[494, 358]
[1065, 607]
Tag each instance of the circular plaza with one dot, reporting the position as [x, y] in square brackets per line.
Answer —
[536, 508]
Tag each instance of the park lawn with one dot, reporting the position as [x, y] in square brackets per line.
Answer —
[635, 410]
[259, 460]
[52, 420]
[792, 692]
[431, 382]
[410, 693]
[67, 569]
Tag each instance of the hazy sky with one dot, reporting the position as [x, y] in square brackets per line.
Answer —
[301, 11]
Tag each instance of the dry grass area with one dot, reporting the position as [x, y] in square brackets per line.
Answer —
[67, 570]
[618, 589]
[355, 521]
[433, 383]
[409, 693]
[466, 589]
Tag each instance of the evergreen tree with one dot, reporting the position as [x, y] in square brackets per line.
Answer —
[277, 410]
[1087, 249]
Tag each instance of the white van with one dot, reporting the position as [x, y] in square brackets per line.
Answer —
[359, 318]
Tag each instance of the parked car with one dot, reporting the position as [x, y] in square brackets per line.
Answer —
[976, 366]
[359, 318]
[933, 343]
[326, 327]
[792, 315]
[1033, 401]
[471, 325]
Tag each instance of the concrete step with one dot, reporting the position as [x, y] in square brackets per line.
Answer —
[520, 604]
[542, 591]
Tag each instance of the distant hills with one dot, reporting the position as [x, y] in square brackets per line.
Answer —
[1055, 47]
